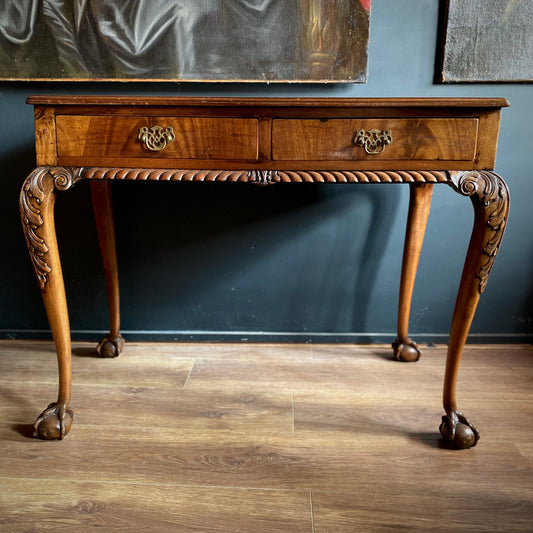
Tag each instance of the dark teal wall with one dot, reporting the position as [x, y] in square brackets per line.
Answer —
[205, 260]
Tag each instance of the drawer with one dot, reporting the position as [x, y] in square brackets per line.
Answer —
[219, 138]
[410, 139]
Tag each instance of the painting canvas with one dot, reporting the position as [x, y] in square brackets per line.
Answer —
[185, 40]
[488, 41]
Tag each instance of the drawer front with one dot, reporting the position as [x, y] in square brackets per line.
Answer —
[141, 137]
[368, 139]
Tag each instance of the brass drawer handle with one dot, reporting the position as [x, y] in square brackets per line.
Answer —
[156, 138]
[373, 141]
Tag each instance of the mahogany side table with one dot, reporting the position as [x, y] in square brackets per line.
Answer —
[416, 141]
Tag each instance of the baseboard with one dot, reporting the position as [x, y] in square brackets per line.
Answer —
[269, 336]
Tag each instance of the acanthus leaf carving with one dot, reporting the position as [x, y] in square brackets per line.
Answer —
[490, 196]
[41, 182]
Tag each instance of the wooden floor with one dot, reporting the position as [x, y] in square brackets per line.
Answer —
[265, 438]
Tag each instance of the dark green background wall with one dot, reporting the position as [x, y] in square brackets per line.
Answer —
[295, 262]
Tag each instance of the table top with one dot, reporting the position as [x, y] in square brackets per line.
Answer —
[72, 100]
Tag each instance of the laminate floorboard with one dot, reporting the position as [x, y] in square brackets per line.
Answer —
[265, 438]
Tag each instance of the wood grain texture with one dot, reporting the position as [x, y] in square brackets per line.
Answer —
[216, 133]
[45, 136]
[266, 438]
[167, 101]
[330, 140]
[489, 129]
[41, 367]
[196, 138]
[452, 512]
[78, 506]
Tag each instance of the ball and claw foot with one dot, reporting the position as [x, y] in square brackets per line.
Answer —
[53, 423]
[407, 352]
[458, 432]
[110, 346]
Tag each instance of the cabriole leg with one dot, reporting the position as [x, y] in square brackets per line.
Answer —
[490, 198]
[419, 203]
[37, 200]
[112, 344]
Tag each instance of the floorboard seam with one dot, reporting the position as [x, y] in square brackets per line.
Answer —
[312, 513]
[189, 374]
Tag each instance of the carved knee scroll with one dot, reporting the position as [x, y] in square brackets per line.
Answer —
[490, 197]
[33, 201]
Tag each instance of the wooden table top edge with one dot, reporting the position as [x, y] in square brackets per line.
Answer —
[209, 101]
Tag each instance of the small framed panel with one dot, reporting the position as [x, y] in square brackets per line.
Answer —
[185, 40]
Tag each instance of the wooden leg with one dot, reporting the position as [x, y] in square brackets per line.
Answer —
[490, 197]
[112, 344]
[37, 200]
[420, 200]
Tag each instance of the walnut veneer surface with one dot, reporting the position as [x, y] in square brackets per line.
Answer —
[417, 141]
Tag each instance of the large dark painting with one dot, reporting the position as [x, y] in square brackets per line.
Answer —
[488, 40]
[204, 40]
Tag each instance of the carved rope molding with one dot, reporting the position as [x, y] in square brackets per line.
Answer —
[32, 197]
[267, 177]
[490, 197]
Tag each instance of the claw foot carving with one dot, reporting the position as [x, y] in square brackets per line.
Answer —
[458, 432]
[110, 346]
[406, 352]
[54, 422]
